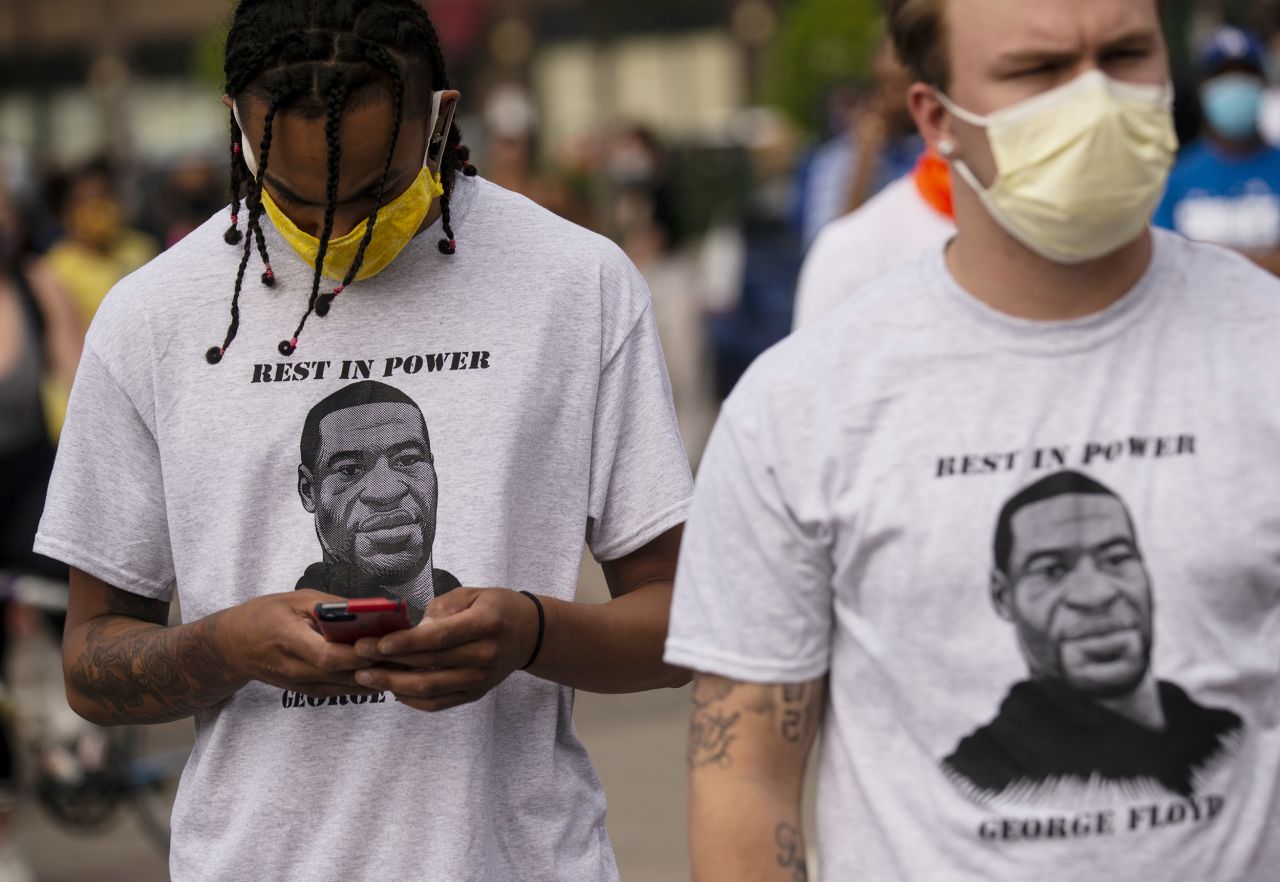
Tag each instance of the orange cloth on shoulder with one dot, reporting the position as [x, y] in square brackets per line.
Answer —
[933, 179]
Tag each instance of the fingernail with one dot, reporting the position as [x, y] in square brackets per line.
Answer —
[364, 678]
[386, 648]
[364, 652]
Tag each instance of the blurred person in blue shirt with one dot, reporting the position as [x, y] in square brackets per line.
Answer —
[875, 143]
[1225, 188]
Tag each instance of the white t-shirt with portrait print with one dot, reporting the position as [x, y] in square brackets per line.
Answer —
[1039, 563]
[462, 419]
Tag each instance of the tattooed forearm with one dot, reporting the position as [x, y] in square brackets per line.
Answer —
[791, 852]
[136, 671]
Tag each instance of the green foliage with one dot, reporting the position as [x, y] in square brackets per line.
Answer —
[820, 43]
[210, 50]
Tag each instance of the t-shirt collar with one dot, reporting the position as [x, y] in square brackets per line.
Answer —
[1052, 337]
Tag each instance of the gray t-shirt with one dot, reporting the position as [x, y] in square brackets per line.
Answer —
[465, 419]
[1040, 563]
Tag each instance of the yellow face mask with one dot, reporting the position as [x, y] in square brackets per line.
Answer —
[398, 221]
[1079, 170]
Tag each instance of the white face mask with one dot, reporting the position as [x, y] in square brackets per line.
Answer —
[1080, 170]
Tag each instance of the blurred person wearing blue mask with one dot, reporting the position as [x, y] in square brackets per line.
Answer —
[1225, 188]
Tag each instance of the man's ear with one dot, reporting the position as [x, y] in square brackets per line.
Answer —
[307, 489]
[1002, 595]
[449, 99]
[931, 117]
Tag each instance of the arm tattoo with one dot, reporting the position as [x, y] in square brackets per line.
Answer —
[710, 728]
[707, 691]
[140, 671]
[710, 737]
[796, 710]
[799, 713]
[791, 851]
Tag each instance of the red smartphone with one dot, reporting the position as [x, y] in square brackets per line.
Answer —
[349, 620]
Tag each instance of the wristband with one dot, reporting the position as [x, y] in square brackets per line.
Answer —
[542, 627]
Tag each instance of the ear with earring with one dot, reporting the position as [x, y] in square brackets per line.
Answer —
[947, 148]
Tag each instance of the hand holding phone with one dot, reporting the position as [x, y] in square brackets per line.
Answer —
[347, 621]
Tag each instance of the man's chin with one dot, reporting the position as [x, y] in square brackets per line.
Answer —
[1107, 682]
[371, 575]
[1108, 665]
[390, 569]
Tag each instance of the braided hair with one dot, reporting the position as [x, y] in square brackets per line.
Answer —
[312, 57]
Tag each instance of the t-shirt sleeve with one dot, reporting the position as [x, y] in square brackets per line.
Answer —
[641, 484]
[753, 599]
[105, 511]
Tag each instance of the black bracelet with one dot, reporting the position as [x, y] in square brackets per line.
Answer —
[542, 628]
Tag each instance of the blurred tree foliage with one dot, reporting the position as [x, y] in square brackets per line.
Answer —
[820, 44]
[210, 50]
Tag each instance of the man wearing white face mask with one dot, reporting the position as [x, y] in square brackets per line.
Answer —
[1225, 188]
[839, 572]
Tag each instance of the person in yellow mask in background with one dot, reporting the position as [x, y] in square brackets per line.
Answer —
[40, 345]
[98, 249]
[1002, 526]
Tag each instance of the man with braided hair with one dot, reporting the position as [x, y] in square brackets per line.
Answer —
[367, 266]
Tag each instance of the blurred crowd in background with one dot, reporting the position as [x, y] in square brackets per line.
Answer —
[712, 139]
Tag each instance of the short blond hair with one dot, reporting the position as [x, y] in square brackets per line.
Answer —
[919, 32]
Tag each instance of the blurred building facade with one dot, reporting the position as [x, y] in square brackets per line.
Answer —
[134, 78]
[82, 77]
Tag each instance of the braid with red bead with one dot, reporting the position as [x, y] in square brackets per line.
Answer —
[337, 101]
[388, 64]
[238, 172]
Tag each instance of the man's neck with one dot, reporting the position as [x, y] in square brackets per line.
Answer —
[1141, 706]
[1010, 278]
